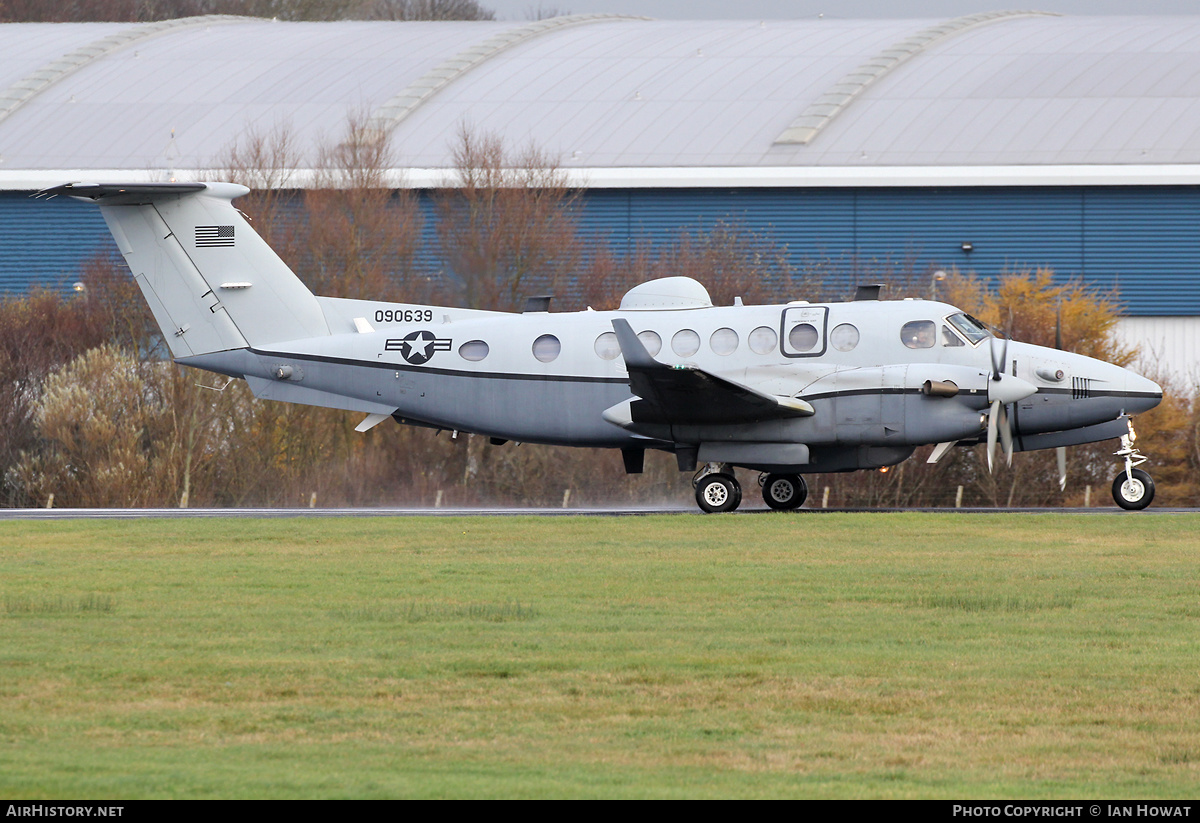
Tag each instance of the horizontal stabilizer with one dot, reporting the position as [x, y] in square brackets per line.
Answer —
[132, 194]
[686, 395]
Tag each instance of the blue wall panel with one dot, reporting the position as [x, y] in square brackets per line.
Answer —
[1144, 241]
[922, 230]
[46, 243]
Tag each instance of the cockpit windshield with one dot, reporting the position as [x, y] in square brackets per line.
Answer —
[968, 327]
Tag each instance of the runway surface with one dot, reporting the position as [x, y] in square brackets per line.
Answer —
[632, 511]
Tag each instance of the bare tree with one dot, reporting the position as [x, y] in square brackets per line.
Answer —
[362, 236]
[266, 163]
[424, 10]
[506, 225]
[540, 12]
[81, 11]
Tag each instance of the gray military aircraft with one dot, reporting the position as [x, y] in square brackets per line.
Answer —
[785, 390]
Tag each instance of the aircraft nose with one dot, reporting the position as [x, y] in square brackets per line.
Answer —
[1142, 393]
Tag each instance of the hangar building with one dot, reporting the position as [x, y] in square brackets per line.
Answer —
[991, 142]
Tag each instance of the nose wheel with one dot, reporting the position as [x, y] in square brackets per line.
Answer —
[1133, 489]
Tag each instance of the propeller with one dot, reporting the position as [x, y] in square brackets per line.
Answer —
[1003, 389]
[1061, 452]
[997, 416]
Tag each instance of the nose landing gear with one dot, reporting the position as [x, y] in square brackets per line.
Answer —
[1133, 489]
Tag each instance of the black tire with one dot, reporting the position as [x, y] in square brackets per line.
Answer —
[784, 491]
[1133, 493]
[717, 493]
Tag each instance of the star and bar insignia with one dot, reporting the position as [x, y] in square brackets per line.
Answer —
[418, 346]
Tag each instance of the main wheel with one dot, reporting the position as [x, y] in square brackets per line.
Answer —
[717, 493]
[784, 491]
[1134, 492]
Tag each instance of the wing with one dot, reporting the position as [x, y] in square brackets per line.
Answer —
[687, 395]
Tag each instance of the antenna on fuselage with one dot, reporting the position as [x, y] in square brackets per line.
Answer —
[869, 291]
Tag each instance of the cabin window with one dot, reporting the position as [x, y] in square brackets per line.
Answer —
[844, 337]
[685, 343]
[723, 341]
[803, 337]
[804, 331]
[607, 347]
[546, 348]
[473, 350]
[763, 340]
[919, 334]
[651, 341]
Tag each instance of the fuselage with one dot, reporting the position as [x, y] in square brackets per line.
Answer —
[550, 377]
[784, 389]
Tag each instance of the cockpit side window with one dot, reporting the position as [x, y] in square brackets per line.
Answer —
[951, 339]
[968, 327]
[919, 334]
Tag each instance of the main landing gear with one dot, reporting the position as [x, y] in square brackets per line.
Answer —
[1133, 488]
[784, 491]
[717, 490]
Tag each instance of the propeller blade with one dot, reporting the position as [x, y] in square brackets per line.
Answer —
[997, 362]
[1061, 454]
[991, 433]
[1006, 437]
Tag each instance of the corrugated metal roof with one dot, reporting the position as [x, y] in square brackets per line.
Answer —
[623, 94]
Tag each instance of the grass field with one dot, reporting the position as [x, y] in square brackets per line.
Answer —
[774, 655]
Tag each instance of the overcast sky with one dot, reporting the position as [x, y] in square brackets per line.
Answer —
[781, 9]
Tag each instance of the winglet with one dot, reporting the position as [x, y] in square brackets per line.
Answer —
[632, 350]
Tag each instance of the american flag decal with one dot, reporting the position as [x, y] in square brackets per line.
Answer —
[213, 236]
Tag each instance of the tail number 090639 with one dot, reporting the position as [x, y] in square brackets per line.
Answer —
[404, 316]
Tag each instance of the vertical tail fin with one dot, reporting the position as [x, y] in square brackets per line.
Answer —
[212, 283]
